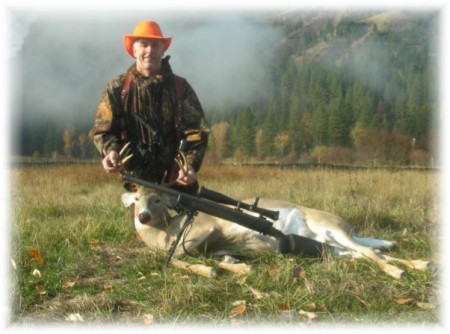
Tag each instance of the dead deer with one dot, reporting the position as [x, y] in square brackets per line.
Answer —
[158, 229]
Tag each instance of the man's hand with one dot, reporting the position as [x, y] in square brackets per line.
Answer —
[186, 178]
[110, 162]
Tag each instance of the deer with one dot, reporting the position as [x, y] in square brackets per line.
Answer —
[159, 226]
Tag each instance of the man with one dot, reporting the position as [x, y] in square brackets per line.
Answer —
[156, 111]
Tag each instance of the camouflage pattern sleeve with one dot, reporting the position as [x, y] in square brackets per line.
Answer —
[196, 128]
[107, 129]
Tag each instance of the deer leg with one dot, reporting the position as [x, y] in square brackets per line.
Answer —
[412, 264]
[198, 269]
[343, 240]
[228, 263]
[386, 267]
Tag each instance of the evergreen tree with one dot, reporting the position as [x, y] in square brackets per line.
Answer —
[246, 132]
[269, 133]
[306, 141]
[295, 126]
[52, 141]
[337, 129]
[319, 125]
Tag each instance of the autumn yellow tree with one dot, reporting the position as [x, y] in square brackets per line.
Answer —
[218, 144]
[259, 143]
[83, 142]
[281, 143]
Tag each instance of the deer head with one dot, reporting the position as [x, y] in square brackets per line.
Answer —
[150, 206]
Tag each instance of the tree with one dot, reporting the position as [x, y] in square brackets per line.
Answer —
[259, 144]
[219, 140]
[84, 145]
[52, 141]
[307, 137]
[246, 132]
[68, 139]
[318, 152]
[336, 126]
[319, 125]
[269, 132]
[417, 120]
[363, 143]
[294, 130]
[340, 118]
[281, 144]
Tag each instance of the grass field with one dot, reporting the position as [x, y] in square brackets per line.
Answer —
[75, 257]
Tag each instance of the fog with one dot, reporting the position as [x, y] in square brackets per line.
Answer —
[61, 62]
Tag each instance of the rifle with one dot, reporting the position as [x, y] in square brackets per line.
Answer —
[218, 205]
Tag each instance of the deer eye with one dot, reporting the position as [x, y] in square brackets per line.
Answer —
[157, 201]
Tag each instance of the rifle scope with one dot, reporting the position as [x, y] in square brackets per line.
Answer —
[215, 196]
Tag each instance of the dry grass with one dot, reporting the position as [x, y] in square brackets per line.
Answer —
[94, 270]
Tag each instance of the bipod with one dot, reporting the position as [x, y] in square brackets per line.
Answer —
[188, 218]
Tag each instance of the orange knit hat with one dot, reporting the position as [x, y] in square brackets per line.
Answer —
[145, 29]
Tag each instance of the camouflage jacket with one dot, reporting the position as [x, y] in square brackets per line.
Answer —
[154, 118]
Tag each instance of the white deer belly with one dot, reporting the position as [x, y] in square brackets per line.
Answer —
[292, 221]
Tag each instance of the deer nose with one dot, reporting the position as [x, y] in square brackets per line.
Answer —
[145, 217]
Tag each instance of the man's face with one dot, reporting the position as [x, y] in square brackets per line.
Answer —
[148, 54]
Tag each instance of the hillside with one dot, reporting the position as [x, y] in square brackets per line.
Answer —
[349, 87]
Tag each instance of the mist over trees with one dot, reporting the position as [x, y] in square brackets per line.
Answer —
[347, 89]
[343, 88]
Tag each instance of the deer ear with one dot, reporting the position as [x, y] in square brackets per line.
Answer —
[128, 199]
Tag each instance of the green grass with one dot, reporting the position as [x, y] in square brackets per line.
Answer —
[93, 265]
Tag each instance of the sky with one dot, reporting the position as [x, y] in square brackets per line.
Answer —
[65, 54]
